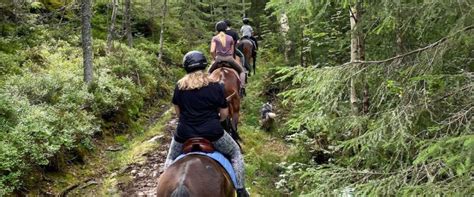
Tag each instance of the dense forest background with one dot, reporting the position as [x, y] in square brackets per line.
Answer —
[374, 97]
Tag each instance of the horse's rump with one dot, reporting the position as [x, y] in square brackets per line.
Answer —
[247, 47]
[195, 175]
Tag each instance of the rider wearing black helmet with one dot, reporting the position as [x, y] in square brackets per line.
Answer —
[222, 50]
[200, 105]
[247, 31]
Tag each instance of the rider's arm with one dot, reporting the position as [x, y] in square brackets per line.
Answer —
[213, 49]
[223, 113]
[176, 109]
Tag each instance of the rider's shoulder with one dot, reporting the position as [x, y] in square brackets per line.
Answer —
[216, 85]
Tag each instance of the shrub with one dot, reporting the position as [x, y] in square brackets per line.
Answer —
[48, 110]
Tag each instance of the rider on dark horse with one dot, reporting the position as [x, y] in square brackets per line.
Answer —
[222, 50]
[247, 32]
[200, 105]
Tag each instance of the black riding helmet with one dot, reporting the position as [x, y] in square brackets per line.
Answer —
[193, 61]
[246, 21]
[221, 26]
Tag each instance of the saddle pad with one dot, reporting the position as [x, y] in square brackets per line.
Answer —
[219, 157]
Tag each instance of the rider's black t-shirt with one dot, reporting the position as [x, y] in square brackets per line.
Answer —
[199, 112]
[233, 34]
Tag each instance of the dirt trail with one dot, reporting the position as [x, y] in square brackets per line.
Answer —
[145, 176]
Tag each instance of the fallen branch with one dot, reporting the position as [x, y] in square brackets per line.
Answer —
[411, 52]
[72, 187]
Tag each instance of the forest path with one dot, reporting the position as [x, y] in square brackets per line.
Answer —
[134, 170]
[145, 174]
[263, 151]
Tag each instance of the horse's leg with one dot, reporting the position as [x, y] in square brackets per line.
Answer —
[235, 117]
[254, 62]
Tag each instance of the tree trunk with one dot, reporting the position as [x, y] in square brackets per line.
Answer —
[302, 62]
[17, 6]
[243, 9]
[399, 34]
[285, 28]
[152, 18]
[110, 35]
[160, 55]
[128, 26]
[357, 49]
[86, 10]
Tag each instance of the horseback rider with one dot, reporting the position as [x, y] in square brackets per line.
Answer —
[247, 32]
[222, 50]
[200, 105]
[229, 31]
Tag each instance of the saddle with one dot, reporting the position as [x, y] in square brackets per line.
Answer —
[198, 144]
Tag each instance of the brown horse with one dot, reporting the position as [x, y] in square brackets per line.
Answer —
[195, 175]
[247, 48]
[229, 77]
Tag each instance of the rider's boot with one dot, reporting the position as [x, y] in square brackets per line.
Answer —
[242, 193]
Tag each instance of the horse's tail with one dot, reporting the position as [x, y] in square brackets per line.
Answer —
[180, 191]
[246, 64]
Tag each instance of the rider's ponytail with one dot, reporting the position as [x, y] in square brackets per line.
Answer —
[222, 37]
[194, 80]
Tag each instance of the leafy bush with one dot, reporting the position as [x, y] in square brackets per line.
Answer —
[48, 110]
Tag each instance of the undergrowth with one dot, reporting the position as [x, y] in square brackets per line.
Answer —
[263, 151]
[48, 117]
[416, 139]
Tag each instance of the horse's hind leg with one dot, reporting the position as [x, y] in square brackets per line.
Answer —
[235, 120]
[254, 62]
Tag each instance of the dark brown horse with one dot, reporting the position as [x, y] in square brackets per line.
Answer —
[195, 175]
[247, 48]
[230, 78]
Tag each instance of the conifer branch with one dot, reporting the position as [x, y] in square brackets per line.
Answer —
[411, 52]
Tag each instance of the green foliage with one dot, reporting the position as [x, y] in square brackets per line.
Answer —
[46, 111]
[416, 138]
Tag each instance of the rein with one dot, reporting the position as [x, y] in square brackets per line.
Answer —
[230, 96]
[222, 81]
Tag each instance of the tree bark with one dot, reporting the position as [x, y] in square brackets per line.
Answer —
[399, 34]
[285, 28]
[86, 10]
[243, 9]
[128, 26]
[16, 9]
[111, 33]
[302, 62]
[152, 18]
[357, 50]
[160, 54]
